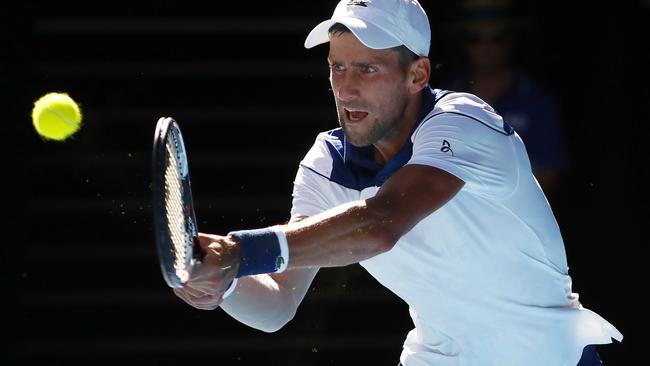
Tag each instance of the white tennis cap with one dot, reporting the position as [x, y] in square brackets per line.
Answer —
[379, 24]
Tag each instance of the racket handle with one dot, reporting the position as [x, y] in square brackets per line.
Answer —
[199, 254]
[197, 251]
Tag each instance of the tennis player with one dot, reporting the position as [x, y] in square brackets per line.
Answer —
[432, 192]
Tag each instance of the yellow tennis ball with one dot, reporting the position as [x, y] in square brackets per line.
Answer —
[56, 116]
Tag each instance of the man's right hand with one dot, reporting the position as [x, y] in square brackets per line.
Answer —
[209, 280]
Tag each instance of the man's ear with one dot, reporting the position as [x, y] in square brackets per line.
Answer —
[419, 74]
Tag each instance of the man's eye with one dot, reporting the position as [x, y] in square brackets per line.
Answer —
[369, 69]
[337, 67]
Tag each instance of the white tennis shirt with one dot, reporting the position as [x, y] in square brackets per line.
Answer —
[485, 276]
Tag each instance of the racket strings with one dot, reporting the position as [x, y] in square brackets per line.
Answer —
[175, 211]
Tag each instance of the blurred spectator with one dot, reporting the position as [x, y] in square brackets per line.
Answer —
[489, 33]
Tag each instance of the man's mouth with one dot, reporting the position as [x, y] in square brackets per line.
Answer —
[355, 115]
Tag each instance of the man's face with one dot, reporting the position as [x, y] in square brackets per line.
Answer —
[369, 89]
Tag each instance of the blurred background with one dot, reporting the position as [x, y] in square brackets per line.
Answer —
[80, 275]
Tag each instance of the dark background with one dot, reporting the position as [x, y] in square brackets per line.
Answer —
[78, 261]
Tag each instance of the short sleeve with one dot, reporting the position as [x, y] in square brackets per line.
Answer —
[309, 193]
[313, 189]
[475, 152]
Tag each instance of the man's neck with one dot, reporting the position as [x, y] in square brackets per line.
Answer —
[387, 147]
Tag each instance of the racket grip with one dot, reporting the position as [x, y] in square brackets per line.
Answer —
[197, 251]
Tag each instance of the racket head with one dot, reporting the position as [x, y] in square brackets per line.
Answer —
[174, 218]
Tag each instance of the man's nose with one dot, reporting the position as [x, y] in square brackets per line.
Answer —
[346, 87]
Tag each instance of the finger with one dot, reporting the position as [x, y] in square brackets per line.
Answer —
[206, 239]
[199, 299]
[182, 295]
[203, 288]
[201, 283]
[203, 302]
[208, 305]
[194, 291]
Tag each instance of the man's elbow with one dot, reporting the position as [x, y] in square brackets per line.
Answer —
[276, 322]
[385, 238]
[272, 328]
[384, 226]
[387, 242]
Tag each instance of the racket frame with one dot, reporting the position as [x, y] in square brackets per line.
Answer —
[167, 128]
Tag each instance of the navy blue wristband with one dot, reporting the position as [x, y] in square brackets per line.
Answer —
[260, 252]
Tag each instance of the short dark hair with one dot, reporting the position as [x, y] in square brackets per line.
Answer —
[405, 56]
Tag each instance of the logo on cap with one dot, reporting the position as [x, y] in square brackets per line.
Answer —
[358, 3]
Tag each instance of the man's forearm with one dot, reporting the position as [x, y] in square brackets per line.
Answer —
[362, 229]
[341, 236]
[259, 303]
[268, 301]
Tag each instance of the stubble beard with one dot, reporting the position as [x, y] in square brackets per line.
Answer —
[379, 129]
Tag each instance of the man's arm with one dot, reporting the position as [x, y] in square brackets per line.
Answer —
[360, 230]
[265, 301]
[268, 301]
[343, 235]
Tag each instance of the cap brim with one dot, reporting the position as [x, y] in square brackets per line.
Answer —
[369, 34]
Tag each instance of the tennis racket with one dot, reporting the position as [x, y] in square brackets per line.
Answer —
[174, 220]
